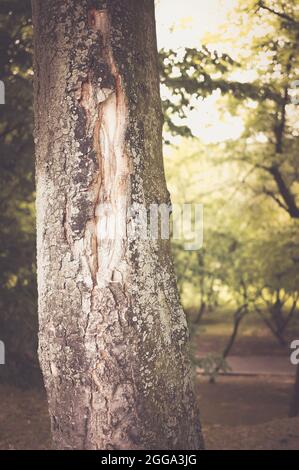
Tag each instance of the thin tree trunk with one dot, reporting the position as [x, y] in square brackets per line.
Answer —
[238, 317]
[279, 336]
[200, 312]
[113, 336]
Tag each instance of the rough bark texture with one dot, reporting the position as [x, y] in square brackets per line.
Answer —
[113, 337]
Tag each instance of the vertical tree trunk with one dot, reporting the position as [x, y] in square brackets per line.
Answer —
[113, 337]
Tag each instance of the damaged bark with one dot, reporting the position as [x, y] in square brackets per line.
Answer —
[112, 336]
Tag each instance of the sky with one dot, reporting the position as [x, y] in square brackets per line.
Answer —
[194, 18]
[182, 23]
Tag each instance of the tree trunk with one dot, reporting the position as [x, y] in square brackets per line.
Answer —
[238, 317]
[113, 337]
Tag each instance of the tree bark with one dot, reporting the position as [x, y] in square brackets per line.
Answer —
[112, 337]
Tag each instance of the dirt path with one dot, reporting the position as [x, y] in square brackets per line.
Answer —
[282, 434]
[261, 365]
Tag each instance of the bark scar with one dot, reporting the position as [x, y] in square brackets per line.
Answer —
[104, 101]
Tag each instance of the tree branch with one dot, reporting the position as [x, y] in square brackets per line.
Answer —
[287, 196]
[275, 198]
[282, 15]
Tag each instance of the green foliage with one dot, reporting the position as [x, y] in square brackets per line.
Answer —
[264, 99]
[250, 252]
[250, 246]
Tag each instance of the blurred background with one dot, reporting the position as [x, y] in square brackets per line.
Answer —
[230, 99]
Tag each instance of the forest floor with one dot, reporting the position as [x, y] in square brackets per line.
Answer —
[248, 413]
[239, 411]
[247, 409]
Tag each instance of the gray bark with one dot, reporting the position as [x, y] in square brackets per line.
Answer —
[112, 335]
